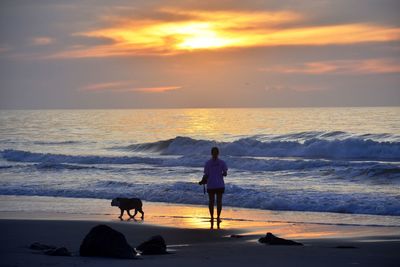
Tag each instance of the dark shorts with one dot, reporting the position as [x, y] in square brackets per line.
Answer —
[216, 190]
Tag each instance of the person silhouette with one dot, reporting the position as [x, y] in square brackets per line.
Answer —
[215, 170]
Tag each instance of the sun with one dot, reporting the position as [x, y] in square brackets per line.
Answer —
[195, 35]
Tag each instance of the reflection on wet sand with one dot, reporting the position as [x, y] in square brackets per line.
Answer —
[251, 223]
[218, 224]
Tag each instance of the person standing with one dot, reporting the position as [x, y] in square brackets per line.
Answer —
[215, 170]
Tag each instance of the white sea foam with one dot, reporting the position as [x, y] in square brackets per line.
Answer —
[27, 156]
[61, 166]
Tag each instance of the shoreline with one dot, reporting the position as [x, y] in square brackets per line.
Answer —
[250, 221]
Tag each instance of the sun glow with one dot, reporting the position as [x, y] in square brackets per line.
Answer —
[201, 30]
[170, 36]
[198, 35]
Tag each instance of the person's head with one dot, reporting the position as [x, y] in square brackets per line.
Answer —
[214, 152]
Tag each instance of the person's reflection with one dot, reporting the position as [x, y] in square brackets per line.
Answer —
[218, 224]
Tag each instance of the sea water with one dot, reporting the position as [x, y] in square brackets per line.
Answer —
[340, 160]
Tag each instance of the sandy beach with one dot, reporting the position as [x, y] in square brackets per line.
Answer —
[194, 244]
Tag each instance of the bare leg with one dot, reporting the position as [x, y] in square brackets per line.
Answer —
[122, 213]
[219, 206]
[211, 199]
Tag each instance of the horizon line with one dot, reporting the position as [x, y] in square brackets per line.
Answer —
[163, 108]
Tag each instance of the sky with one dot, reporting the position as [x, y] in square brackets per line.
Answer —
[199, 54]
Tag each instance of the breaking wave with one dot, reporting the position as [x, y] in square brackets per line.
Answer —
[59, 161]
[27, 156]
[346, 148]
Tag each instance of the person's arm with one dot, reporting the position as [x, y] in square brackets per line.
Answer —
[225, 170]
[206, 169]
[204, 179]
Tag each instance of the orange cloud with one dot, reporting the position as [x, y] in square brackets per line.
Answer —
[161, 89]
[199, 30]
[104, 86]
[123, 87]
[340, 67]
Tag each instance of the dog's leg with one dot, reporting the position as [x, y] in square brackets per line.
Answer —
[130, 215]
[141, 211]
[122, 213]
[134, 213]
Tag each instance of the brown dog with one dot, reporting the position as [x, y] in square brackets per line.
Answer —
[127, 204]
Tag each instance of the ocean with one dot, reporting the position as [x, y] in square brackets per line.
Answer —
[335, 160]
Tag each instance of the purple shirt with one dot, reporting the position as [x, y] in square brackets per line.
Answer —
[214, 170]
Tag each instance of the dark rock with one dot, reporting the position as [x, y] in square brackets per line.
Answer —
[40, 246]
[58, 252]
[270, 239]
[155, 245]
[103, 241]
